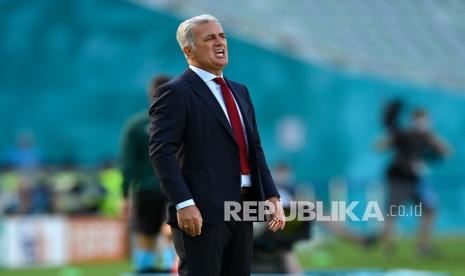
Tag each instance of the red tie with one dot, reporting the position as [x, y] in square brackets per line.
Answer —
[236, 124]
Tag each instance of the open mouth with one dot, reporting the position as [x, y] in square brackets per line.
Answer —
[220, 53]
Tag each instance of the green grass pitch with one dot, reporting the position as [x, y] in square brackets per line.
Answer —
[325, 256]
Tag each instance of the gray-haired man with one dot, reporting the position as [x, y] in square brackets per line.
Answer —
[206, 150]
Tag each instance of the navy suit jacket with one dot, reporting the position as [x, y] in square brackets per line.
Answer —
[193, 149]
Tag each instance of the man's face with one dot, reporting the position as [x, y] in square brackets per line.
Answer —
[211, 50]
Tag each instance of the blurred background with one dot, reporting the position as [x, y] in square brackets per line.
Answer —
[320, 72]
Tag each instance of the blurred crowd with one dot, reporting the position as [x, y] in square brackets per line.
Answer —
[28, 187]
[66, 189]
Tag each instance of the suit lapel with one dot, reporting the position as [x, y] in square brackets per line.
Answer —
[203, 91]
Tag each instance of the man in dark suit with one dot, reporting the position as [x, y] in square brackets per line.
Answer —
[206, 150]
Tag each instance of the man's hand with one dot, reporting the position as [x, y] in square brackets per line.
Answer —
[190, 220]
[278, 220]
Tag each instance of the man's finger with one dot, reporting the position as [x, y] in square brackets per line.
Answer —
[184, 227]
[273, 225]
[191, 229]
[273, 221]
[187, 228]
[276, 224]
[273, 228]
[198, 228]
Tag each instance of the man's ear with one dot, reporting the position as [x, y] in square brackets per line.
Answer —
[188, 52]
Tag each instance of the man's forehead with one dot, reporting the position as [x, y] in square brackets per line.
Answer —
[208, 28]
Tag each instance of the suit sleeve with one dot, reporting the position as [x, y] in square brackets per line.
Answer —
[167, 123]
[269, 188]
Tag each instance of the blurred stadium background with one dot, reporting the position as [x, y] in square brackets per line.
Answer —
[320, 73]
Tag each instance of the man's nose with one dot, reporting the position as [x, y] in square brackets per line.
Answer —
[218, 41]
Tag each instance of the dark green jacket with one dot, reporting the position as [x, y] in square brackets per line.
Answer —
[136, 166]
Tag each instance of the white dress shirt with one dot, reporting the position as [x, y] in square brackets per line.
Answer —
[215, 88]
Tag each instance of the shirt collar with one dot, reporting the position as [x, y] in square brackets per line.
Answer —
[204, 75]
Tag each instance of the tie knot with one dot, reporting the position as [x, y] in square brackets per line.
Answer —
[219, 80]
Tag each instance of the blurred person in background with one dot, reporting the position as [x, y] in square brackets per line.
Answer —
[24, 194]
[25, 190]
[413, 147]
[30, 194]
[9, 184]
[24, 155]
[42, 195]
[206, 150]
[143, 199]
[274, 251]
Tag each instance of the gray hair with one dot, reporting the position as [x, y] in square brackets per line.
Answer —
[184, 34]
